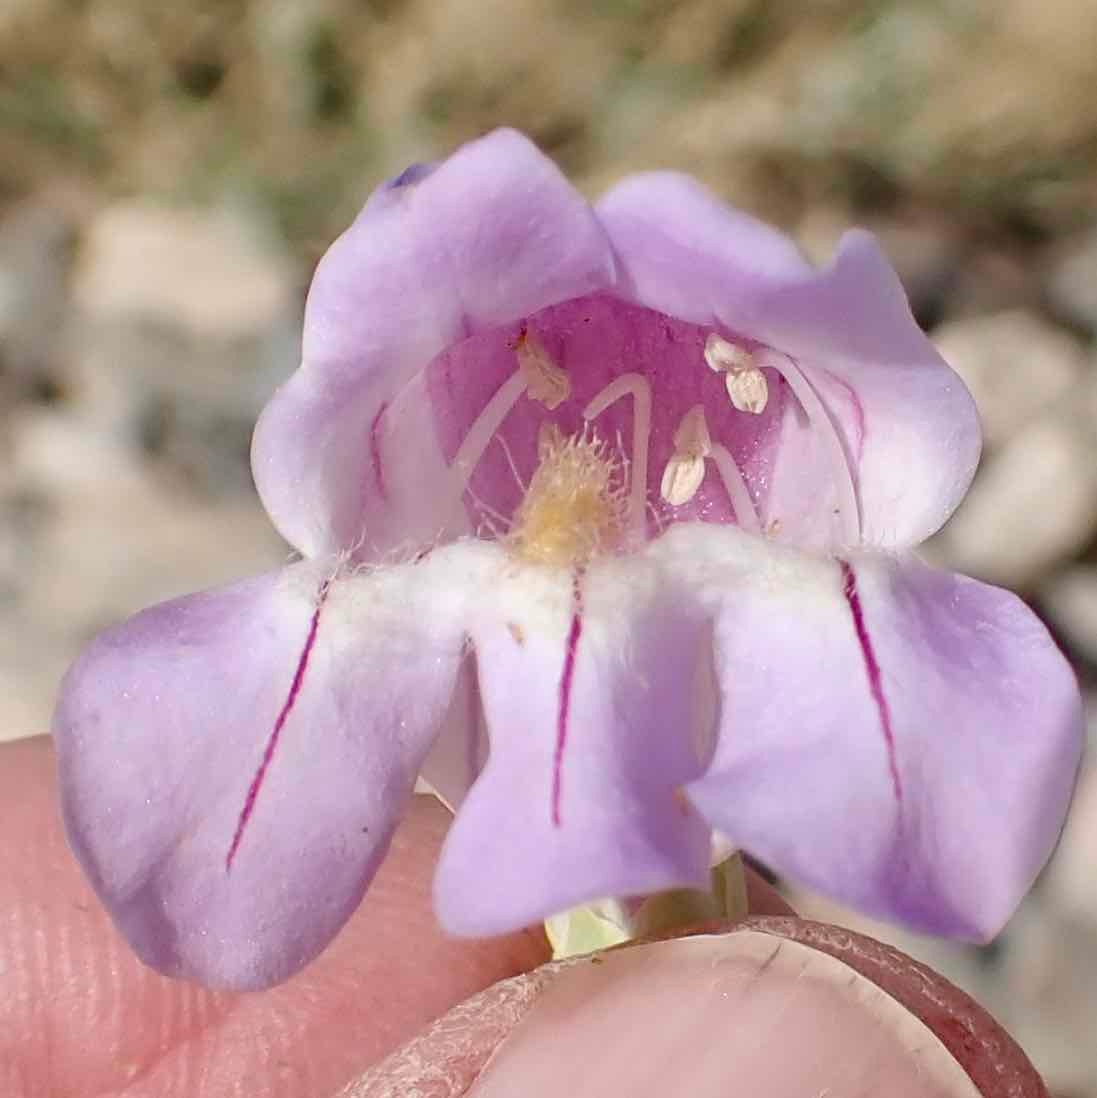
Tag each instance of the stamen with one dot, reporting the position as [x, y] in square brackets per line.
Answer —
[820, 422]
[639, 389]
[692, 437]
[723, 356]
[748, 390]
[736, 487]
[682, 477]
[685, 471]
[747, 387]
[503, 445]
[484, 428]
[545, 381]
[536, 375]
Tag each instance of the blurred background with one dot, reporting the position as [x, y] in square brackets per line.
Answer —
[169, 175]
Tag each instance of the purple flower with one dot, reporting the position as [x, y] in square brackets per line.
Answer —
[626, 493]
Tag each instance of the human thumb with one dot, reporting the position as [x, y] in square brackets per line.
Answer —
[775, 1008]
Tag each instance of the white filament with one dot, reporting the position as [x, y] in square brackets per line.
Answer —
[736, 487]
[818, 418]
[639, 389]
[480, 434]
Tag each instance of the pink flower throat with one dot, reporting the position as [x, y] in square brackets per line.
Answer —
[644, 383]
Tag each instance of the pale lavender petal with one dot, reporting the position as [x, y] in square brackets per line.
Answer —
[488, 236]
[686, 253]
[233, 763]
[588, 690]
[907, 421]
[902, 739]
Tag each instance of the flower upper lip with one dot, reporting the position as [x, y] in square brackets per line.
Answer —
[495, 234]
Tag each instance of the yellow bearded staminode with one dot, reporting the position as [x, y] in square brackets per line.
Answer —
[575, 507]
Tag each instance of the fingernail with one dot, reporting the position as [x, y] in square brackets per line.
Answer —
[780, 1006]
[694, 1016]
[446, 1058]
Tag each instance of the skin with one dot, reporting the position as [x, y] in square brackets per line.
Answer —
[81, 1016]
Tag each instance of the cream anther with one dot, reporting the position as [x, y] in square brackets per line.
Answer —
[545, 380]
[725, 357]
[636, 386]
[748, 390]
[747, 387]
[692, 438]
[685, 471]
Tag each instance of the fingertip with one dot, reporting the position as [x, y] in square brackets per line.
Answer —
[81, 1015]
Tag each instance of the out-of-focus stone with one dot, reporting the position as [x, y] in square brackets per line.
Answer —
[184, 327]
[927, 256]
[118, 536]
[189, 404]
[36, 238]
[890, 91]
[925, 252]
[114, 537]
[1073, 284]
[1070, 601]
[1015, 364]
[1047, 995]
[992, 280]
[1070, 885]
[204, 271]
[1033, 504]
